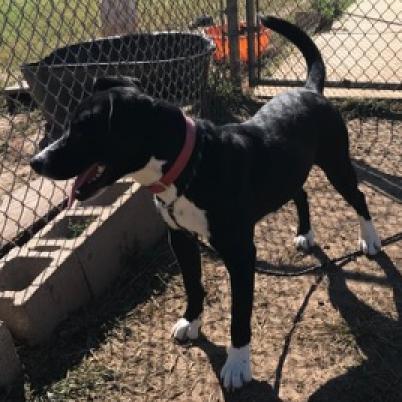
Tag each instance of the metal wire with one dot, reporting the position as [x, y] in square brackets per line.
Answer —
[361, 42]
[56, 46]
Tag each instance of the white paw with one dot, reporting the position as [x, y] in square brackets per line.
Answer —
[237, 369]
[369, 241]
[304, 241]
[184, 329]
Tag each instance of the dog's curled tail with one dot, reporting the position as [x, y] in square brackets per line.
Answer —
[315, 64]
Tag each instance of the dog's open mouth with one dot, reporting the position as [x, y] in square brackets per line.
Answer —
[88, 183]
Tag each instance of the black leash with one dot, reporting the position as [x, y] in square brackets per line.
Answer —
[311, 269]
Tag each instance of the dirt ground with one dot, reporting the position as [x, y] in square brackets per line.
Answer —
[19, 135]
[331, 335]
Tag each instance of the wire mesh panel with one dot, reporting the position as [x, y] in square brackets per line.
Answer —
[361, 42]
[50, 53]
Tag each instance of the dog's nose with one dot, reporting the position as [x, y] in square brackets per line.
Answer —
[37, 164]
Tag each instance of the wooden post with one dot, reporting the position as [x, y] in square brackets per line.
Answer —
[118, 17]
[233, 36]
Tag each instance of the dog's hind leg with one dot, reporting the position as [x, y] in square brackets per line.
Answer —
[185, 248]
[343, 177]
[304, 238]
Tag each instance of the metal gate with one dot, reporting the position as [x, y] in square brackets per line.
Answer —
[360, 40]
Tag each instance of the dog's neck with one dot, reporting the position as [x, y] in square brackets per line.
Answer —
[150, 173]
[159, 175]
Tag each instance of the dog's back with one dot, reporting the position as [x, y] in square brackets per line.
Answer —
[295, 129]
[327, 122]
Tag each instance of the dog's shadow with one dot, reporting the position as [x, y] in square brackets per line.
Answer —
[378, 337]
[255, 390]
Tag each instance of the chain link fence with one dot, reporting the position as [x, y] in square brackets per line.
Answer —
[43, 75]
[50, 53]
[361, 43]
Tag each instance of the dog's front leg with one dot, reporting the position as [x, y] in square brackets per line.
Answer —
[185, 248]
[239, 258]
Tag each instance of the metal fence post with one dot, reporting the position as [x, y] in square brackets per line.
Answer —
[233, 33]
[252, 32]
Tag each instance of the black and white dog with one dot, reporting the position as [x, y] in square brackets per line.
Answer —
[214, 181]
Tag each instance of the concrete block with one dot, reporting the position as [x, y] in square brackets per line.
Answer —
[36, 293]
[132, 228]
[28, 204]
[59, 269]
[10, 366]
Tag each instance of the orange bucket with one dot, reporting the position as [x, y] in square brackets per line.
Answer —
[218, 33]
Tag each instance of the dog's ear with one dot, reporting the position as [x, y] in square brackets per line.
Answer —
[105, 83]
[168, 117]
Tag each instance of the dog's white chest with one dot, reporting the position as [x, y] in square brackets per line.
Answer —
[183, 214]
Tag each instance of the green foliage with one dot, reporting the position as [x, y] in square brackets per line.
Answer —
[76, 228]
[225, 92]
[221, 97]
[330, 9]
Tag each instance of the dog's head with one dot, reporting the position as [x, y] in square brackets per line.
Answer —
[112, 133]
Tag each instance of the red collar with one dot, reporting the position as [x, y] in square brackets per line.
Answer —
[178, 166]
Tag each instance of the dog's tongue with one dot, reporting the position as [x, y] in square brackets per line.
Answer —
[80, 180]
